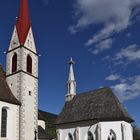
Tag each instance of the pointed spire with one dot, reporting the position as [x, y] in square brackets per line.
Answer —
[71, 73]
[71, 84]
[23, 21]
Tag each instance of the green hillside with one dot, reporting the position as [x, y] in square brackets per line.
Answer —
[50, 121]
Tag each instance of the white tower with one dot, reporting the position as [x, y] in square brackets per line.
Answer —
[71, 84]
[22, 73]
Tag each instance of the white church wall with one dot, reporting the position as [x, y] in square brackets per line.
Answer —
[42, 124]
[117, 128]
[100, 131]
[79, 132]
[29, 42]
[128, 131]
[25, 86]
[14, 40]
[12, 121]
[29, 109]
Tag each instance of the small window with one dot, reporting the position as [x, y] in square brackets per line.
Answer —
[70, 136]
[30, 93]
[112, 135]
[14, 63]
[90, 136]
[4, 123]
[29, 64]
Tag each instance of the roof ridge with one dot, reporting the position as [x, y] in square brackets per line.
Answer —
[120, 106]
[94, 90]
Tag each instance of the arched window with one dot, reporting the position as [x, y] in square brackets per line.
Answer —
[90, 136]
[29, 64]
[4, 123]
[14, 63]
[70, 136]
[112, 135]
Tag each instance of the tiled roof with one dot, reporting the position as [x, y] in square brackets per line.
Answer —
[99, 105]
[40, 116]
[42, 135]
[6, 94]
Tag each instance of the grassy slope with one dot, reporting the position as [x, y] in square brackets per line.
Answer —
[50, 120]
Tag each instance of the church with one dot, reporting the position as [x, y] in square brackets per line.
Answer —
[92, 115]
[19, 116]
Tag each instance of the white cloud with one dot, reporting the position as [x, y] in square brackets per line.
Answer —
[128, 54]
[114, 15]
[129, 89]
[103, 45]
[113, 77]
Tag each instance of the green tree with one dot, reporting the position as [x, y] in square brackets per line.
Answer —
[136, 132]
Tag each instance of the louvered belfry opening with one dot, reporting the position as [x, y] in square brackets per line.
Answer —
[29, 64]
[14, 63]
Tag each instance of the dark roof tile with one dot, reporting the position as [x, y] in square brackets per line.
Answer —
[100, 105]
[42, 135]
[6, 94]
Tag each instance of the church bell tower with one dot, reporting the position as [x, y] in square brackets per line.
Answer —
[22, 73]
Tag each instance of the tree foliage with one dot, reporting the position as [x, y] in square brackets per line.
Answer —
[136, 132]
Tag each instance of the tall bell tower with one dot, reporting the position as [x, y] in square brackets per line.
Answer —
[22, 73]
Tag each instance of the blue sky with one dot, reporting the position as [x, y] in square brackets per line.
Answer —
[102, 36]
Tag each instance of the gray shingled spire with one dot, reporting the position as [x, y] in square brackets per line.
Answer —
[71, 84]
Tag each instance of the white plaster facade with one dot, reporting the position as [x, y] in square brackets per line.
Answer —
[24, 85]
[100, 131]
[42, 124]
[71, 84]
[12, 120]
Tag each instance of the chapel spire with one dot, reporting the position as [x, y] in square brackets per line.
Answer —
[71, 84]
[23, 22]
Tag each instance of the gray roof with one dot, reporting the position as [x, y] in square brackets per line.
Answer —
[2, 73]
[42, 135]
[6, 94]
[98, 105]
[40, 116]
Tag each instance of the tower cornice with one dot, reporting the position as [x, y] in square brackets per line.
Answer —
[22, 72]
[21, 46]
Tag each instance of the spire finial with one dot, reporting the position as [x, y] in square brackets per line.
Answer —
[23, 21]
[71, 61]
[71, 84]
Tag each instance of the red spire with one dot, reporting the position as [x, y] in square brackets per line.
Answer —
[23, 22]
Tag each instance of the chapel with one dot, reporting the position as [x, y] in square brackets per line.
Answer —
[92, 115]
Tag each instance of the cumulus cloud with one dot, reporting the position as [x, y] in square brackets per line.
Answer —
[113, 15]
[103, 45]
[129, 89]
[128, 54]
[113, 77]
